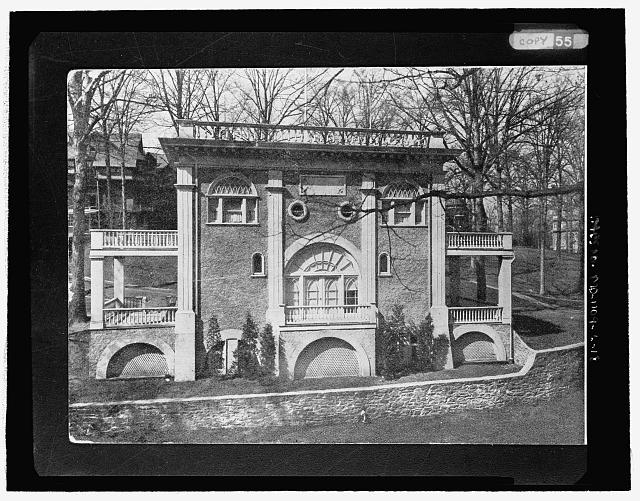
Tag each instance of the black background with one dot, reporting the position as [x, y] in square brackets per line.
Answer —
[45, 46]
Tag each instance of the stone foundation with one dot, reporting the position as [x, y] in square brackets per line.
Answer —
[545, 374]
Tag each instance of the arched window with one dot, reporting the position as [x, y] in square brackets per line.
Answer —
[384, 264]
[257, 265]
[326, 274]
[232, 199]
[400, 207]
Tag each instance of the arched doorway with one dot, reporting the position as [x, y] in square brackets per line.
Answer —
[137, 360]
[321, 284]
[327, 357]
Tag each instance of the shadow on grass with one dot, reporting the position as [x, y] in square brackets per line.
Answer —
[531, 327]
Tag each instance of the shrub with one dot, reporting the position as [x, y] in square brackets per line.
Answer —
[267, 351]
[393, 334]
[246, 354]
[213, 346]
[427, 348]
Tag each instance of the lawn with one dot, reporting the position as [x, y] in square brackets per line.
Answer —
[91, 390]
[558, 421]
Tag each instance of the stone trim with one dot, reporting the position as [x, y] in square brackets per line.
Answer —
[114, 346]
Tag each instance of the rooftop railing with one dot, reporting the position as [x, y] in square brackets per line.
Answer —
[307, 134]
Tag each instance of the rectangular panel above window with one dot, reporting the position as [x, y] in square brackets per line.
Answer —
[333, 186]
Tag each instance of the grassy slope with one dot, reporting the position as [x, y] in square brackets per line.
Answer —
[557, 421]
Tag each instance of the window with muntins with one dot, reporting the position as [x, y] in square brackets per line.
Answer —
[232, 200]
[326, 275]
[399, 206]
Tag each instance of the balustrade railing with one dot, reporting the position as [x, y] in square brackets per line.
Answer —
[126, 317]
[327, 314]
[472, 240]
[347, 136]
[119, 239]
[475, 314]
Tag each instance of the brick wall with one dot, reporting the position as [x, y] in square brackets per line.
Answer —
[227, 288]
[409, 249]
[545, 374]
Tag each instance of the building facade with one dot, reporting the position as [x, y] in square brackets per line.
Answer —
[319, 232]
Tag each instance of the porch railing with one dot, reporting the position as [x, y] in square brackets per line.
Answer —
[306, 134]
[473, 240]
[126, 317]
[122, 239]
[327, 314]
[475, 314]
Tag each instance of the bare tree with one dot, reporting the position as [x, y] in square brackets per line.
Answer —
[85, 114]
[178, 93]
[130, 110]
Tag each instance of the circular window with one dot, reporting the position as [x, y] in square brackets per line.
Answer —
[347, 211]
[298, 210]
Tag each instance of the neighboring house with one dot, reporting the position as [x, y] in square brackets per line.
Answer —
[317, 231]
[138, 171]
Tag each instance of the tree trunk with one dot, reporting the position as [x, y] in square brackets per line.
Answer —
[524, 222]
[499, 203]
[122, 194]
[559, 230]
[107, 161]
[541, 243]
[77, 311]
[481, 226]
[510, 214]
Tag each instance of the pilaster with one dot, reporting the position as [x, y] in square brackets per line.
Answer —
[439, 310]
[185, 316]
[97, 292]
[275, 258]
[368, 229]
[504, 288]
[118, 278]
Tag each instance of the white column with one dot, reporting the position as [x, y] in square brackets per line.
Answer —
[118, 278]
[368, 229]
[439, 310]
[275, 258]
[97, 292]
[504, 288]
[185, 316]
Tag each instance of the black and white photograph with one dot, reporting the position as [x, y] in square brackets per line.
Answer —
[395, 249]
[322, 255]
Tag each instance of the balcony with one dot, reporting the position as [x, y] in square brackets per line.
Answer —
[134, 242]
[475, 315]
[136, 317]
[310, 135]
[329, 314]
[472, 243]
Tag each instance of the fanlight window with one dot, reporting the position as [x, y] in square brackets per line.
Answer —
[400, 207]
[326, 274]
[232, 200]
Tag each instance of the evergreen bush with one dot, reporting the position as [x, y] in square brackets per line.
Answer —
[246, 354]
[267, 351]
[213, 346]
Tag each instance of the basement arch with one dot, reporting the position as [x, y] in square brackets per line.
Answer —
[325, 348]
[484, 330]
[115, 346]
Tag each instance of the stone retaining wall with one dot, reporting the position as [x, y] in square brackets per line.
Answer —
[545, 373]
